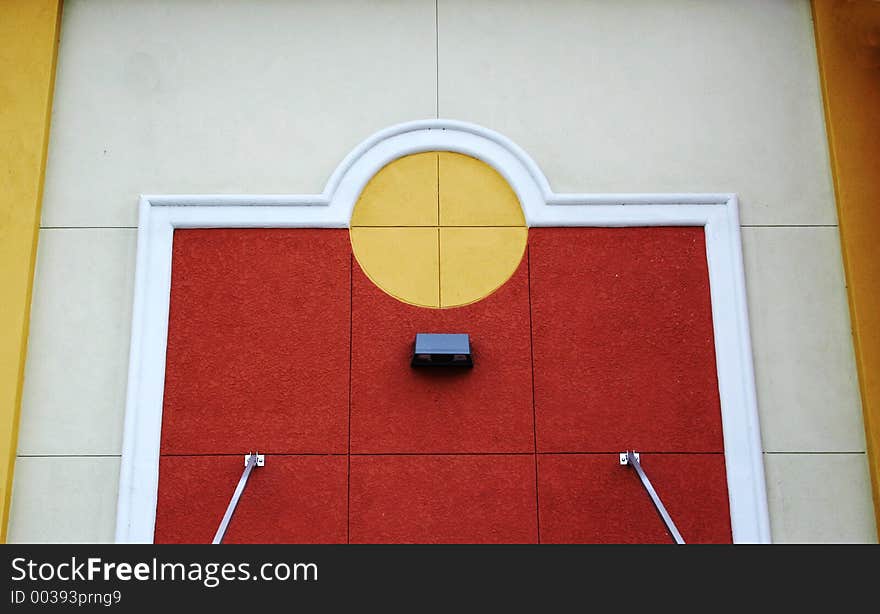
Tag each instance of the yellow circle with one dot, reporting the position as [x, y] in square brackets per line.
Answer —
[438, 229]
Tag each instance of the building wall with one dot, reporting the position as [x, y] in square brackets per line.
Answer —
[631, 96]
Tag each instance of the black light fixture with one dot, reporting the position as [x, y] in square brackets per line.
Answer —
[442, 350]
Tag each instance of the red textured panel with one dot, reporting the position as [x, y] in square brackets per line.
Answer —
[258, 342]
[591, 498]
[293, 499]
[624, 347]
[397, 408]
[443, 499]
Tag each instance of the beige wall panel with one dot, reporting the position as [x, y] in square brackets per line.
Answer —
[75, 375]
[647, 96]
[224, 97]
[808, 395]
[820, 498]
[64, 499]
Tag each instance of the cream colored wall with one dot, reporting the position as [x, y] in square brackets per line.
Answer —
[631, 96]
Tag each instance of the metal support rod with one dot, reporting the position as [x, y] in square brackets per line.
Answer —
[250, 461]
[632, 458]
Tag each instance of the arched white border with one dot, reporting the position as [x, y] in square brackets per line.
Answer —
[160, 215]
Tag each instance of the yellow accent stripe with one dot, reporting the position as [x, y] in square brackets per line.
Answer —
[29, 31]
[849, 68]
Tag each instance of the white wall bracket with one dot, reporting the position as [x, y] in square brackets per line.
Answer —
[624, 457]
[261, 459]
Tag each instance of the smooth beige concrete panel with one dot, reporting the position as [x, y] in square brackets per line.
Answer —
[75, 375]
[820, 498]
[233, 96]
[808, 396]
[64, 499]
[646, 96]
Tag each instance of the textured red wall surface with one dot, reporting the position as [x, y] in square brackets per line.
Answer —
[300, 499]
[258, 342]
[623, 340]
[440, 499]
[591, 498]
[398, 409]
[277, 341]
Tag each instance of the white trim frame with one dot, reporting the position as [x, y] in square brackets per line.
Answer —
[717, 213]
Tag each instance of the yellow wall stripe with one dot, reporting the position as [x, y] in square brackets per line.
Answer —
[849, 65]
[29, 31]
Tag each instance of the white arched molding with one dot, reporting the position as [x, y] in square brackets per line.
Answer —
[161, 214]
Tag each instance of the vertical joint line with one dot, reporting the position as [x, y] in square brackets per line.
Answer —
[439, 250]
[350, 355]
[534, 410]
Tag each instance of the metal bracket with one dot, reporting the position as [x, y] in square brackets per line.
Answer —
[624, 460]
[632, 458]
[261, 459]
[251, 460]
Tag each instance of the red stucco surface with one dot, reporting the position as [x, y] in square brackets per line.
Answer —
[590, 498]
[195, 491]
[623, 342]
[438, 499]
[398, 409]
[278, 342]
[258, 342]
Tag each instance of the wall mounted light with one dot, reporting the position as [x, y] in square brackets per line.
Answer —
[442, 350]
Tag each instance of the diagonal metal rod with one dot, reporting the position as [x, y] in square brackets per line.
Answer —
[230, 509]
[633, 460]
